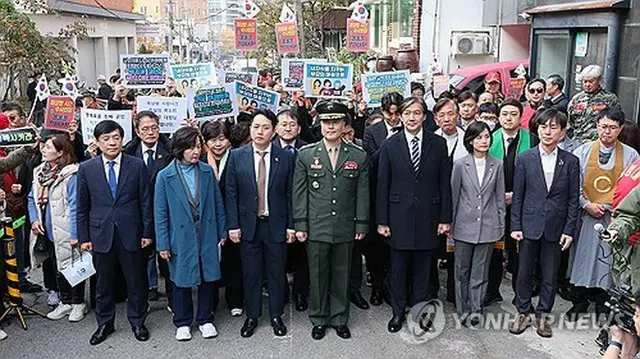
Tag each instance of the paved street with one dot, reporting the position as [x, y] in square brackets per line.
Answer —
[53, 340]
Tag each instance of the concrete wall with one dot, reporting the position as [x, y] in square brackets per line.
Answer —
[629, 64]
[98, 54]
[514, 42]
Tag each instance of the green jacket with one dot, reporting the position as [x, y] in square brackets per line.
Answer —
[331, 206]
[15, 159]
[626, 258]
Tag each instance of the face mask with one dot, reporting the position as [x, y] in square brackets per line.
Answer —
[492, 125]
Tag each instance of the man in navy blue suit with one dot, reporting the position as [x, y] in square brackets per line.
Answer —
[544, 212]
[115, 222]
[259, 213]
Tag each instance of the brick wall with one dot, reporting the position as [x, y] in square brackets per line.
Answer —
[415, 31]
[122, 5]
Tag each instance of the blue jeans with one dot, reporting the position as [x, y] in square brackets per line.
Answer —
[152, 271]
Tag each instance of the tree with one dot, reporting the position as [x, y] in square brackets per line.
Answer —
[24, 51]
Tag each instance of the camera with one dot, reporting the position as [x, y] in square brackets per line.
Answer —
[622, 305]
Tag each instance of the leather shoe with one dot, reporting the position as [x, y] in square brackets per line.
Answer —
[543, 327]
[141, 333]
[301, 302]
[343, 331]
[376, 297]
[357, 300]
[279, 329]
[249, 327]
[318, 332]
[101, 334]
[395, 324]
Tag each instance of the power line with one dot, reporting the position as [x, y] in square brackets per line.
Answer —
[108, 10]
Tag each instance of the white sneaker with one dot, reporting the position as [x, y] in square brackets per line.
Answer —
[236, 312]
[78, 312]
[208, 331]
[3, 335]
[53, 298]
[61, 311]
[183, 334]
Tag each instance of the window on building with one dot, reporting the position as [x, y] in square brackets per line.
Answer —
[402, 18]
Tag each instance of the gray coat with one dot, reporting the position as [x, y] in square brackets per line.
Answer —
[478, 210]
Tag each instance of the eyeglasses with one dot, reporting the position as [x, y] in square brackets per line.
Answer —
[151, 129]
[604, 127]
[538, 90]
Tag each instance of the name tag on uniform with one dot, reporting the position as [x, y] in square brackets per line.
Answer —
[316, 165]
[351, 165]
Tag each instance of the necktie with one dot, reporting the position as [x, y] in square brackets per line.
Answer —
[262, 182]
[151, 163]
[415, 154]
[113, 183]
[333, 157]
[509, 142]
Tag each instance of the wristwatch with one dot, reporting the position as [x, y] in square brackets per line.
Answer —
[615, 343]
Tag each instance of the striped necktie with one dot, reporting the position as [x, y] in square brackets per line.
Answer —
[415, 154]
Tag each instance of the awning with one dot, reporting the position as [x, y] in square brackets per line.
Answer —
[581, 6]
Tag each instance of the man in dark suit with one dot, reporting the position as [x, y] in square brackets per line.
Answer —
[105, 91]
[544, 213]
[154, 150]
[259, 213]
[288, 133]
[559, 101]
[413, 205]
[115, 222]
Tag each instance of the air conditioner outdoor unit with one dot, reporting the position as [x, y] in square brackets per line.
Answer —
[471, 43]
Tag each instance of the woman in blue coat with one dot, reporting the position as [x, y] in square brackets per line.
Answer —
[190, 224]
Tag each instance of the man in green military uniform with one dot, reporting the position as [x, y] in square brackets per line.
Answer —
[626, 257]
[331, 209]
[584, 106]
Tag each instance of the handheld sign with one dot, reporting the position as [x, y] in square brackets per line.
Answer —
[171, 110]
[254, 97]
[287, 38]
[376, 85]
[293, 73]
[246, 34]
[193, 76]
[18, 137]
[227, 77]
[144, 71]
[211, 103]
[327, 80]
[60, 112]
[357, 36]
[90, 118]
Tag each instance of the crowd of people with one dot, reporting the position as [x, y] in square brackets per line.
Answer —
[475, 182]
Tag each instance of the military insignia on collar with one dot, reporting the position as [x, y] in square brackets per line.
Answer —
[316, 165]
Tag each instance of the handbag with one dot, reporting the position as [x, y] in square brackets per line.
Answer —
[41, 244]
[77, 270]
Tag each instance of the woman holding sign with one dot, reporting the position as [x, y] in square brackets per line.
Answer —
[52, 209]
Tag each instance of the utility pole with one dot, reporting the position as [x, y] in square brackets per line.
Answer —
[297, 8]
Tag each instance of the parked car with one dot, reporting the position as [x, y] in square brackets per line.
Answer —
[472, 78]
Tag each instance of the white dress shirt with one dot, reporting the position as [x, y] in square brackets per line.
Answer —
[548, 164]
[390, 128]
[116, 166]
[410, 138]
[256, 164]
[145, 155]
[284, 144]
[481, 164]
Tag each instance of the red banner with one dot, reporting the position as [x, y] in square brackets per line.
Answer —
[516, 87]
[246, 34]
[357, 36]
[287, 38]
[60, 112]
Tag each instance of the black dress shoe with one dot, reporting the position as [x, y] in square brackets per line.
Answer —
[492, 299]
[357, 300]
[141, 333]
[343, 331]
[376, 297]
[27, 287]
[279, 329]
[249, 327]
[101, 334]
[301, 302]
[395, 324]
[318, 332]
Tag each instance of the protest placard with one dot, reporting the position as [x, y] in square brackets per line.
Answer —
[144, 71]
[357, 36]
[90, 118]
[516, 87]
[17, 137]
[287, 38]
[440, 84]
[171, 110]
[255, 97]
[293, 73]
[227, 77]
[60, 112]
[210, 103]
[193, 76]
[375, 85]
[327, 80]
[246, 31]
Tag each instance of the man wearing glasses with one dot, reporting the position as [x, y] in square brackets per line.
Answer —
[534, 92]
[154, 150]
[601, 164]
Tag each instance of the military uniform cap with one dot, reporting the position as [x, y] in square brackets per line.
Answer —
[332, 110]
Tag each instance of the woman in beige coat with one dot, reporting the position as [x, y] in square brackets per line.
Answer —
[52, 210]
